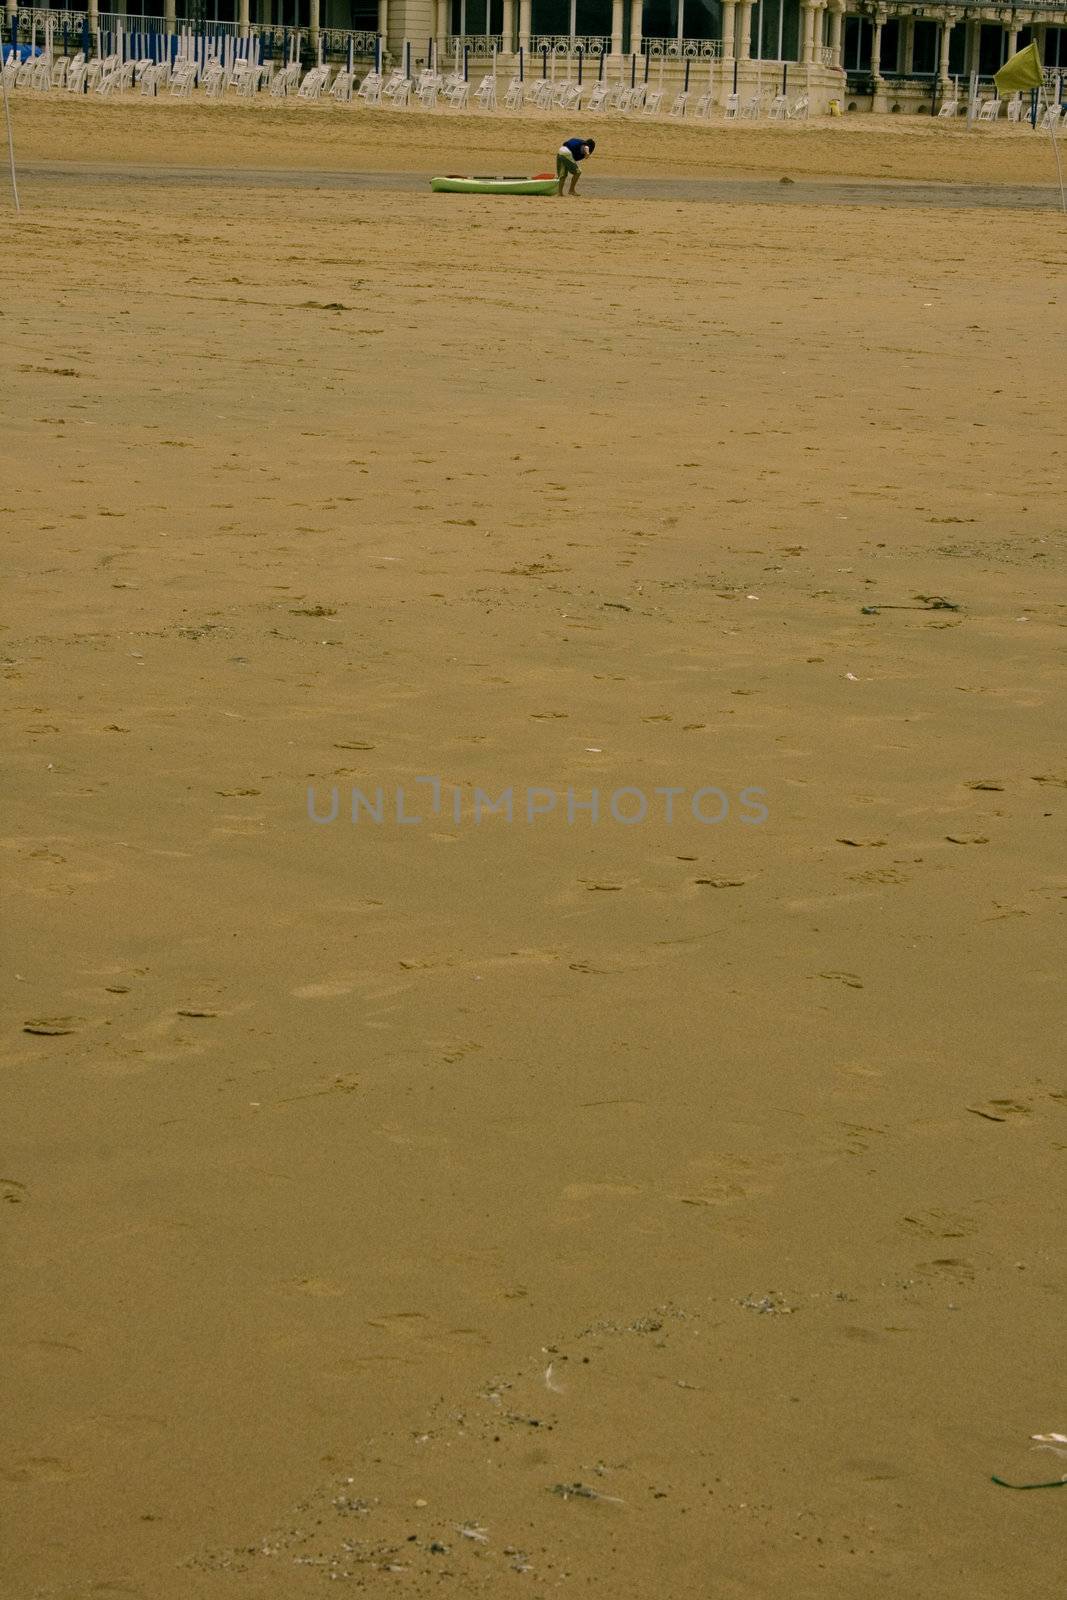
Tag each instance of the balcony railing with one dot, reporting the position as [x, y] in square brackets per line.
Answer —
[569, 44]
[478, 44]
[682, 49]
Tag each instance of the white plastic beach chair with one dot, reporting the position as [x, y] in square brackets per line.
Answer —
[314, 83]
[59, 71]
[342, 86]
[150, 78]
[515, 96]
[182, 80]
[731, 110]
[370, 90]
[949, 108]
[42, 74]
[118, 79]
[1015, 108]
[458, 96]
[1051, 118]
[778, 109]
[752, 108]
[990, 111]
[799, 109]
[247, 83]
[426, 90]
[653, 102]
[213, 81]
[397, 91]
[569, 97]
[703, 105]
[485, 95]
[598, 98]
[679, 104]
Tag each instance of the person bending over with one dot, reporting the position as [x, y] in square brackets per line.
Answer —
[570, 152]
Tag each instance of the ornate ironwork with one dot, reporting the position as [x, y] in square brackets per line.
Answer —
[479, 44]
[682, 49]
[569, 44]
[335, 42]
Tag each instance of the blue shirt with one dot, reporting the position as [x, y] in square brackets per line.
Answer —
[578, 148]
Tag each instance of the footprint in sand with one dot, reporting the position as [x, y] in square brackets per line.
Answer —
[37, 1469]
[318, 1288]
[323, 991]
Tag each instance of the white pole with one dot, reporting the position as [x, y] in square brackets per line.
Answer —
[1055, 148]
[10, 141]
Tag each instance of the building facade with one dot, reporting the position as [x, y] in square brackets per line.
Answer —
[882, 55]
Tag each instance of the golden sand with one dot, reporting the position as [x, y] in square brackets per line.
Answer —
[662, 1210]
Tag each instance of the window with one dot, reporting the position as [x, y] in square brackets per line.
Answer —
[924, 47]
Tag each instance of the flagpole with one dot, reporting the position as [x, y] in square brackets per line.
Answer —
[1055, 148]
[1026, 70]
[10, 144]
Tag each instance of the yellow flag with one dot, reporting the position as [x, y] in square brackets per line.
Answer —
[1023, 71]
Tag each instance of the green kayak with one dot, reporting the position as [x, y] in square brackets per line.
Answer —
[543, 183]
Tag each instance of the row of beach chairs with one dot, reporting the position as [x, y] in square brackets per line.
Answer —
[429, 91]
[989, 111]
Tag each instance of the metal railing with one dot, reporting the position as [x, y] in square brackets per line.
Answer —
[682, 49]
[32, 24]
[476, 44]
[569, 44]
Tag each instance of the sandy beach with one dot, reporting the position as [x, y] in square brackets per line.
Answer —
[656, 1203]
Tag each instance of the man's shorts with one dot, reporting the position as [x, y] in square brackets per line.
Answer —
[566, 166]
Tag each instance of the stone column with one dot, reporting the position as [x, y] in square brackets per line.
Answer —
[807, 46]
[383, 23]
[170, 21]
[876, 47]
[242, 17]
[508, 28]
[313, 23]
[525, 7]
[728, 26]
[943, 75]
[744, 43]
[1013, 41]
[616, 27]
[907, 44]
[637, 16]
[837, 22]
